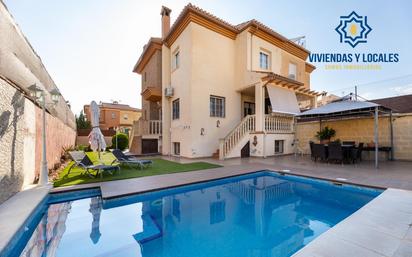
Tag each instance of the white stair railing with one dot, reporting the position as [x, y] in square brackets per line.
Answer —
[273, 124]
[227, 143]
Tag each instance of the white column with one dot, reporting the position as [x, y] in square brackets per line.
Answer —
[260, 107]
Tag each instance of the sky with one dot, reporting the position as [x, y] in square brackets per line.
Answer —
[90, 46]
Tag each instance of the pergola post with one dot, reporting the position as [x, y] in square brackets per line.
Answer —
[376, 137]
[320, 123]
[391, 134]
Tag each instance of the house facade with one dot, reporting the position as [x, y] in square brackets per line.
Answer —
[227, 91]
[115, 116]
[146, 134]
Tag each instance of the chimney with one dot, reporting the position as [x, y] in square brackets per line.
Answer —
[165, 12]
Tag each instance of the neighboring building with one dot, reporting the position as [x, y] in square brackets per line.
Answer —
[115, 116]
[325, 99]
[226, 90]
[21, 118]
[398, 104]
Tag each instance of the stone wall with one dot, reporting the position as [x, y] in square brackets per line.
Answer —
[20, 117]
[21, 140]
[11, 141]
[362, 130]
[21, 65]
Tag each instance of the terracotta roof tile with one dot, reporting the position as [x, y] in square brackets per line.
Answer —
[236, 28]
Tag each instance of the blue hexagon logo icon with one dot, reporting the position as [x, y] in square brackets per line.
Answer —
[353, 29]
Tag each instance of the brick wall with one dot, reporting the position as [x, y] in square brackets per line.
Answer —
[58, 137]
[362, 130]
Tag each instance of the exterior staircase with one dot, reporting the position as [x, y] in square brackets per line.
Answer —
[272, 124]
[246, 125]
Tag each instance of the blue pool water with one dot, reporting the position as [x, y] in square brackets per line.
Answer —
[261, 214]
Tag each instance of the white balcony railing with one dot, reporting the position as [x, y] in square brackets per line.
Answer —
[278, 124]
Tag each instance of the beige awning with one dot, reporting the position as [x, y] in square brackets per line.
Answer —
[282, 100]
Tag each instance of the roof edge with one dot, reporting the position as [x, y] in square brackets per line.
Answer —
[191, 13]
[149, 49]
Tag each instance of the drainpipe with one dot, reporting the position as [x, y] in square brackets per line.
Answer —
[170, 128]
[391, 131]
[376, 137]
[294, 129]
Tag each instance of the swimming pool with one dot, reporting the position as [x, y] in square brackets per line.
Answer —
[260, 214]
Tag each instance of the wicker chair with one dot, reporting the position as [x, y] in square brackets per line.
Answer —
[319, 151]
[335, 152]
[312, 154]
[358, 153]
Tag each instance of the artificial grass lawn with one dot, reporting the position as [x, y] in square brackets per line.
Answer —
[158, 167]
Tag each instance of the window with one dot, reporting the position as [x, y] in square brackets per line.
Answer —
[176, 109]
[113, 115]
[176, 148]
[125, 117]
[292, 71]
[279, 146]
[217, 106]
[264, 60]
[176, 60]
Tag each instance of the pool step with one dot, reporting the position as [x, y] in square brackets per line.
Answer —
[150, 230]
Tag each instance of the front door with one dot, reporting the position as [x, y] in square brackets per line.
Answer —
[245, 152]
[248, 108]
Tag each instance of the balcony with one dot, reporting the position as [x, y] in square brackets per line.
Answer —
[147, 128]
[153, 94]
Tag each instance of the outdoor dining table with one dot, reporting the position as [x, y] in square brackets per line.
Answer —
[347, 151]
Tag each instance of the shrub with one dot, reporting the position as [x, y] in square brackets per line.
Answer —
[326, 133]
[122, 141]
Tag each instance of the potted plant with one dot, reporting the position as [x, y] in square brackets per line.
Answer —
[325, 135]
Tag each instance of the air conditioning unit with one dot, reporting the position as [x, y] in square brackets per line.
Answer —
[169, 91]
[292, 76]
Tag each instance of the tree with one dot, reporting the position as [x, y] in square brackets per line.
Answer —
[81, 121]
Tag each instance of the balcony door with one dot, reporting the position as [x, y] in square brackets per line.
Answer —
[248, 108]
